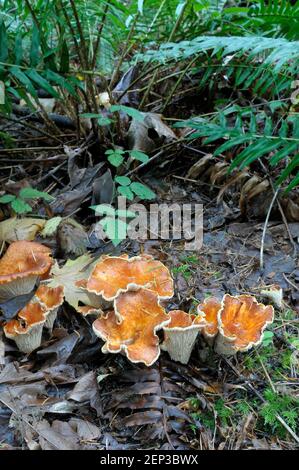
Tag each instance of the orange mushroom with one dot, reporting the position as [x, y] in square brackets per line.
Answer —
[132, 326]
[20, 267]
[242, 321]
[115, 274]
[86, 310]
[180, 335]
[26, 330]
[208, 310]
[50, 298]
[95, 302]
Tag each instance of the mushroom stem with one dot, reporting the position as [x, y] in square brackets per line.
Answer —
[30, 341]
[179, 344]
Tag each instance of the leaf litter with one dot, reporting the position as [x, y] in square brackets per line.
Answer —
[67, 394]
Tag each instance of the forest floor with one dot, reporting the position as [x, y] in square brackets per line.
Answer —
[68, 395]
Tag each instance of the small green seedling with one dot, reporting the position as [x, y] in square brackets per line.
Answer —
[19, 204]
[114, 222]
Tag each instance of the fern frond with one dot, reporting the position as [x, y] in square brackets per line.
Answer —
[277, 52]
[254, 137]
[281, 16]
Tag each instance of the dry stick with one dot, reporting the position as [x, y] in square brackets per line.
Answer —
[260, 396]
[280, 419]
[266, 372]
[145, 163]
[280, 209]
[137, 79]
[31, 126]
[290, 282]
[18, 150]
[90, 85]
[178, 82]
[126, 50]
[174, 30]
[100, 30]
[20, 417]
[77, 47]
[265, 229]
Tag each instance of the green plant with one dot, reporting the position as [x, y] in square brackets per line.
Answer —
[223, 411]
[114, 222]
[187, 268]
[267, 338]
[257, 135]
[286, 406]
[19, 203]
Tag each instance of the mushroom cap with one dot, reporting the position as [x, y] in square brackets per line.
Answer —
[209, 309]
[94, 304]
[242, 321]
[50, 297]
[132, 326]
[26, 331]
[86, 310]
[32, 314]
[23, 259]
[115, 274]
[181, 320]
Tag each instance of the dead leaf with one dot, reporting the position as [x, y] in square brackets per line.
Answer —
[20, 229]
[72, 237]
[67, 276]
[103, 189]
[51, 226]
[85, 389]
[85, 430]
[59, 436]
[199, 167]
[10, 308]
[61, 349]
[150, 133]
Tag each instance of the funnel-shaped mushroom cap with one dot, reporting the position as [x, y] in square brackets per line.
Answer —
[113, 275]
[242, 321]
[209, 310]
[132, 327]
[86, 310]
[50, 298]
[20, 267]
[94, 304]
[183, 320]
[180, 335]
[26, 331]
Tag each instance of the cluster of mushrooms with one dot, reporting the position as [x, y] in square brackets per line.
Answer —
[128, 298]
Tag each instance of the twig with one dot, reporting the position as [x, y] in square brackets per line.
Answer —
[266, 372]
[265, 229]
[290, 282]
[280, 209]
[144, 164]
[100, 30]
[260, 396]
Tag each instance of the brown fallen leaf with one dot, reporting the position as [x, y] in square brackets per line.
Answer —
[14, 229]
[59, 436]
[150, 133]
